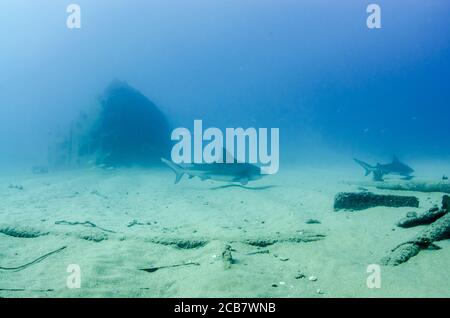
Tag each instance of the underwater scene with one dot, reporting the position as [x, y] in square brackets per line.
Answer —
[224, 148]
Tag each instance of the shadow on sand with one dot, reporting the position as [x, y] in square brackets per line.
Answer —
[242, 186]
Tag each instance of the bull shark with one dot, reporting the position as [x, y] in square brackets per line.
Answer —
[229, 172]
[395, 168]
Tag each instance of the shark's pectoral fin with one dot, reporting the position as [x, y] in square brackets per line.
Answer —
[190, 176]
[378, 175]
[243, 181]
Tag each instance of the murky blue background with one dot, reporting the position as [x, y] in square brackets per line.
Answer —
[311, 68]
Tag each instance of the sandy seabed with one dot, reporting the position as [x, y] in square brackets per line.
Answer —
[143, 220]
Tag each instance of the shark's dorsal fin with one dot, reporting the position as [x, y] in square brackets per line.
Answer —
[226, 154]
[395, 159]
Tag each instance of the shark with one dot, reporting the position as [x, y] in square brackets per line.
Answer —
[228, 172]
[396, 167]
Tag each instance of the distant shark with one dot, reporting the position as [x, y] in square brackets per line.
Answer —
[229, 172]
[380, 170]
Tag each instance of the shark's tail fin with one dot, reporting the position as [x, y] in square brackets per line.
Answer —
[179, 172]
[368, 168]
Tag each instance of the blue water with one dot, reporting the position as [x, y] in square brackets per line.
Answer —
[311, 68]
